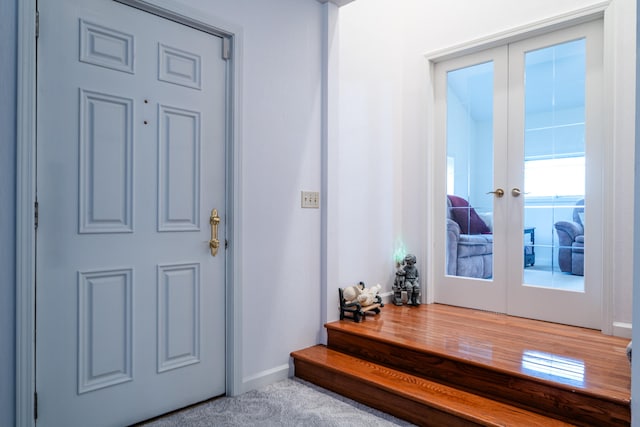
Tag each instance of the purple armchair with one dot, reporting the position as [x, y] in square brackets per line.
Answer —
[571, 242]
[469, 241]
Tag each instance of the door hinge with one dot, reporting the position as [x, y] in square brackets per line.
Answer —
[37, 24]
[226, 48]
[226, 244]
[35, 406]
[35, 215]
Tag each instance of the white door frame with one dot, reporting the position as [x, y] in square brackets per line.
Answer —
[505, 292]
[610, 11]
[26, 192]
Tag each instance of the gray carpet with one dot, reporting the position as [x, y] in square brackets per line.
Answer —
[291, 402]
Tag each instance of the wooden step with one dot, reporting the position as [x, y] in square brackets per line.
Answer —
[484, 354]
[420, 401]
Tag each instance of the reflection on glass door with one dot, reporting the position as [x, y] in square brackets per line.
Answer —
[554, 166]
[469, 216]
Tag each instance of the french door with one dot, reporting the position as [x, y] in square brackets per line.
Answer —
[519, 141]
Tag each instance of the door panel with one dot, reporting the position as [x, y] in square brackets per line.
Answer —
[555, 158]
[131, 161]
[471, 266]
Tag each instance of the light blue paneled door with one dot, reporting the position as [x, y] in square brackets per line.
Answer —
[131, 163]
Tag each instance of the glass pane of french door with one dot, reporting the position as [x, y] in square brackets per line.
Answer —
[469, 215]
[554, 166]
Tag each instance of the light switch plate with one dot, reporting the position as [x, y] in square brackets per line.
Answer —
[310, 199]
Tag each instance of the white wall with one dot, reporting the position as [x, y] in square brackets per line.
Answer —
[384, 132]
[622, 48]
[369, 152]
[280, 139]
[635, 363]
[635, 367]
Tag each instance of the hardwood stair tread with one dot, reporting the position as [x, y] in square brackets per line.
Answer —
[498, 342]
[618, 397]
[420, 391]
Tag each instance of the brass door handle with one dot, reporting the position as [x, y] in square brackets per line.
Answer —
[214, 243]
[499, 192]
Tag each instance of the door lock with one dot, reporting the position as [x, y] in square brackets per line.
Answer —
[214, 243]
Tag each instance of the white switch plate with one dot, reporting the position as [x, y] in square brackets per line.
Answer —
[310, 199]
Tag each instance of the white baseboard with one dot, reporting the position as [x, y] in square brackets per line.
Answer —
[264, 378]
[387, 297]
[621, 329]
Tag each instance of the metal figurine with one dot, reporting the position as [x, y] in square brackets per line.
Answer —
[407, 281]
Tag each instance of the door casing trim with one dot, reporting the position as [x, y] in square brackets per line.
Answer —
[25, 213]
[607, 10]
[26, 125]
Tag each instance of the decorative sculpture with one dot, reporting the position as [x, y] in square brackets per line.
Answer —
[356, 301]
[407, 281]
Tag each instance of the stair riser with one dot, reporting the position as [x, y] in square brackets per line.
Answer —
[362, 391]
[539, 397]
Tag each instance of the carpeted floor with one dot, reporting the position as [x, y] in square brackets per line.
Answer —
[291, 402]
